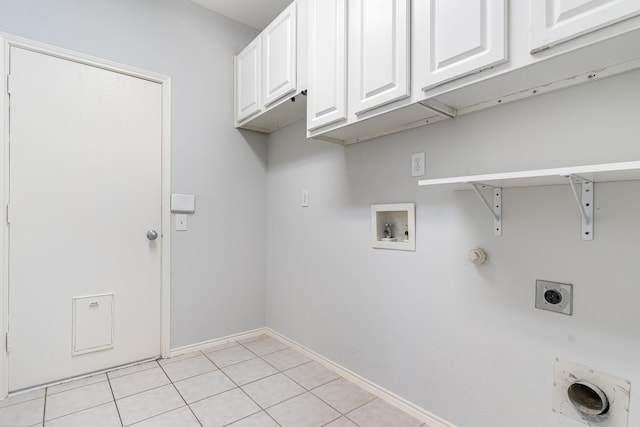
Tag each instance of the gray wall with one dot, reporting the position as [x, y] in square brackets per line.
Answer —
[464, 342]
[218, 266]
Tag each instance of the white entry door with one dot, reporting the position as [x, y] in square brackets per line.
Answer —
[85, 189]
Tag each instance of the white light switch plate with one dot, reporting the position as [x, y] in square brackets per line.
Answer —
[181, 222]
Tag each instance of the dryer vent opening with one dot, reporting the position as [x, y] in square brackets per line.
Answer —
[588, 398]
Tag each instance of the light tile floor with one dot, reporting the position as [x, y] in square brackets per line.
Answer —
[259, 382]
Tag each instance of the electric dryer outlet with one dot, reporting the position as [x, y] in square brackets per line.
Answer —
[554, 296]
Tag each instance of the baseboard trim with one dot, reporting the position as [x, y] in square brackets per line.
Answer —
[214, 342]
[428, 418]
[421, 414]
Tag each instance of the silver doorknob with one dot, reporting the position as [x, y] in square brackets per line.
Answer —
[152, 234]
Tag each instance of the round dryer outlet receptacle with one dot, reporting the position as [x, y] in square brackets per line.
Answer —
[553, 297]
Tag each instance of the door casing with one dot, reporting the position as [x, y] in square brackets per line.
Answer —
[6, 42]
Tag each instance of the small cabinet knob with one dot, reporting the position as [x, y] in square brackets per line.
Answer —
[152, 234]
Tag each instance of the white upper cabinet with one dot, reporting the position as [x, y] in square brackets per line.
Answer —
[279, 59]
[379, 60]
[327, 102]
[557, 21]
[380, 66]
[271, 73]
[248, 81]
[455, 38]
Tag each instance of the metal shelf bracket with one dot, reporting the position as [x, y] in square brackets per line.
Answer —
[495, 209]
[585, 204]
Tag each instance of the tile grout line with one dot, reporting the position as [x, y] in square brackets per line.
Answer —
[140, 392]
[114, 400]
[73, 388]
[181, 357]
[180, 394]
[126, 375]
[336, 419]
[303, 386]
[253, 400]
[44, 406]
[344, 414]
[268, 352]
[192, 376]
[231, 364]
[77, 411]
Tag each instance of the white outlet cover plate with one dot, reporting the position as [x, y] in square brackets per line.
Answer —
[616, 389]
[417, 164]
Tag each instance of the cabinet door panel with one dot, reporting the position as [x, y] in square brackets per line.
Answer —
[248, 81]
[556, 21]
[327, 97]
[279, 56]
[459, 37]
[379, 62]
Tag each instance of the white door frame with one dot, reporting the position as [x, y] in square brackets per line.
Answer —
[6, 42]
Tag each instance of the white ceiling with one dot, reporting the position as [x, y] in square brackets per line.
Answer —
[254, 13]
